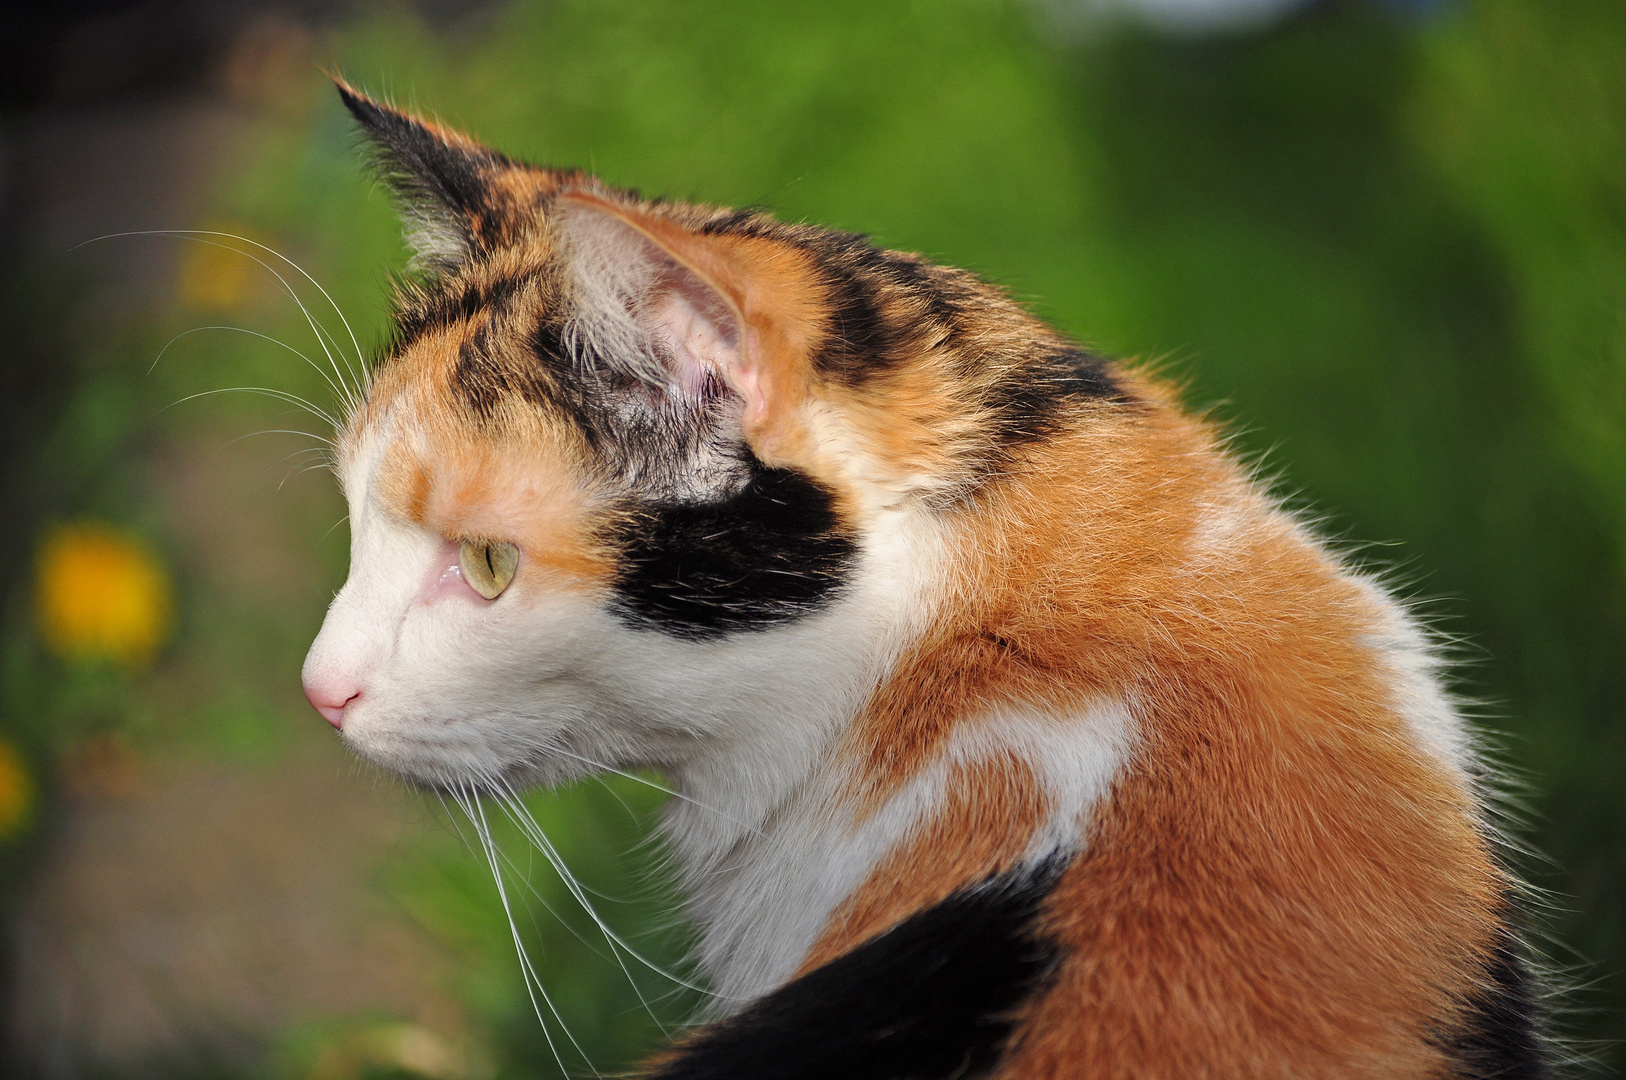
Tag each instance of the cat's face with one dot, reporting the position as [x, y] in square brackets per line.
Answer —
[604, 507]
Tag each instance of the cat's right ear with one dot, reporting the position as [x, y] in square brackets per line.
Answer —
[458, 198]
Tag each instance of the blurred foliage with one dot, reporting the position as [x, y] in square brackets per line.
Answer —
[1390, 251]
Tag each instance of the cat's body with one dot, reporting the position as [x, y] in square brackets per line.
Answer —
[1019, 733]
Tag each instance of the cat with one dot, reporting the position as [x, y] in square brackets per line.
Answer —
[1018, 731]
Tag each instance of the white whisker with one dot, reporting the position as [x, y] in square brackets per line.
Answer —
[354, 344]
[522, 818]
[472, 807]
[280, 395]
[635, 778]
[528, 825]
[340, 391]
[326, 447]
[515, 814]
[324, 462]
[331, 527]
[350, 397]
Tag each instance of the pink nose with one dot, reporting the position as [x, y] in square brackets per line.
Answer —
[330, 699]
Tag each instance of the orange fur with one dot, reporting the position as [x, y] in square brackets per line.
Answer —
[526, 487]
[1283, 884]
[772, 293]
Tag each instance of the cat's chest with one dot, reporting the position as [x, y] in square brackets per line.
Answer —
[763, 894]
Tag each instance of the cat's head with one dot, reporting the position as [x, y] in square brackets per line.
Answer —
[633, 473]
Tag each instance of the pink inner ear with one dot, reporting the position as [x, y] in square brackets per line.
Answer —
[625, 274]
[702, 336]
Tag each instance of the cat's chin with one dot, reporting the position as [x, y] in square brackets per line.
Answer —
[459, 767]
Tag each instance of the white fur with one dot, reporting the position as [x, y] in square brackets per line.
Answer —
[453, 689]
[1417, 682]
[1075, 759]
[435, 240]
[457, 690]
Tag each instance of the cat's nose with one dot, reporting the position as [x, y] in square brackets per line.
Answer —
[330, 698]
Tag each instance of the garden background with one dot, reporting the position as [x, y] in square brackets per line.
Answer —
[1385, 243]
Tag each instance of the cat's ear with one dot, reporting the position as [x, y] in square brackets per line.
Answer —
[741, 308]
[458, 198]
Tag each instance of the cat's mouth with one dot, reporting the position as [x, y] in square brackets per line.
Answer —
[459, 756]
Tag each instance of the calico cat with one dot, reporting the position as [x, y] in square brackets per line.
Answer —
[1021, 733]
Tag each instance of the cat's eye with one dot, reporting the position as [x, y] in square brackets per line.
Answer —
[488, 565]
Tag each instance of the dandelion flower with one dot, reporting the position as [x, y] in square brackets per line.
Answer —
[101, 595]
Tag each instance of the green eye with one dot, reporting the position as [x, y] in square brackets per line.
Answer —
[488, 565]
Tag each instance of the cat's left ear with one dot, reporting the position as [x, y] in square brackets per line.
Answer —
[458, 198]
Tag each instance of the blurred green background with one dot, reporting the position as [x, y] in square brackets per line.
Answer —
[1384, 243]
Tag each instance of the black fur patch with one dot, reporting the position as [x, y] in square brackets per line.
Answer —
[931, 998]
[1024, 404]
[1028, 407]
[1501, 1036]
[774, 550]
[554, 381]
[859, 341]
[541, 375]
[474, 379]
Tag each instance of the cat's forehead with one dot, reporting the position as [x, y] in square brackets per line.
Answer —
[418, 463]
[517, 280]
[461, 418]
[470, 345]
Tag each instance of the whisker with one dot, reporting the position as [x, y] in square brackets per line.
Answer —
[324, 461]
[472, 807]
[604, 783]
[616, 943]
[320, 466]
[514, 813]
[331, 527]
[550, 909]
[350, 399]
[361, 360]
[527, 824]
[280, 395]
[296, 454]
[327, 444]
[339, 391]
[451, 818]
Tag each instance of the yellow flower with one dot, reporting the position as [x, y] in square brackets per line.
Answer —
[101, 595]
[16, 791]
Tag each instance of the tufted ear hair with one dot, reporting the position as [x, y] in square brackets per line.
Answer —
[744, 310]
[457, 198]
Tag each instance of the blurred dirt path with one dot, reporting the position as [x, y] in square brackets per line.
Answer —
[182, 918]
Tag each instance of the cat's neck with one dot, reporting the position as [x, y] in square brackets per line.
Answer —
[757, 825]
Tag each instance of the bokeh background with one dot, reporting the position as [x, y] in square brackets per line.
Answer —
[1385, 243]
